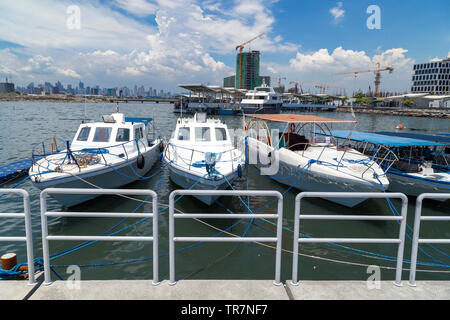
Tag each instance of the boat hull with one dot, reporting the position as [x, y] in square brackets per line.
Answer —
[414, 186]
[306, 180]
[188, 180]
[266, 109]
[106, 178]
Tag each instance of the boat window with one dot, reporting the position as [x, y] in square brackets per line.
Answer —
[183, 134]
[102, 134]
[221, 134]
[84, 134]
[138, 134]
[202, 134]
[123, 135]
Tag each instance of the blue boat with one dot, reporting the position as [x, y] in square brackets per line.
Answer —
[414, 166]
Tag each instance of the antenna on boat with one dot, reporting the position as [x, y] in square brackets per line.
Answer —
[85, 117]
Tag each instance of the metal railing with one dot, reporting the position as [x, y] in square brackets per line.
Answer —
[28, 231]
[400, 240]
[173, 215]
[45, 214]
[417, 219]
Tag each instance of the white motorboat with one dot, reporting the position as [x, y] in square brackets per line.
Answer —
[201, 155]
[310, 162]
[106, 154]
[262, 99]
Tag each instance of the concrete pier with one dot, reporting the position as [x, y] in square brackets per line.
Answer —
[222, 290]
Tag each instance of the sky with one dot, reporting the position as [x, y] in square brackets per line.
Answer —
[163, 43]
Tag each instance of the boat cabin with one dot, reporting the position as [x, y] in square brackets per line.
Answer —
[201, 131]
[114, 130]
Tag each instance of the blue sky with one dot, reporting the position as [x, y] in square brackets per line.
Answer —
[162, 43]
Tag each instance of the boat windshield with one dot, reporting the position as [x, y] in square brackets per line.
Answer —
[221, 134]
[84, 134]
[102, 134]
[123, 135]
[203, 134]
[184, 133]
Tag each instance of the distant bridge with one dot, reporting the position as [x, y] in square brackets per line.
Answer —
[142, 100]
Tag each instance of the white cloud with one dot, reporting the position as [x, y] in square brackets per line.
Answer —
[321, 64]
[337, 12]
[137, 7]
[112, 47]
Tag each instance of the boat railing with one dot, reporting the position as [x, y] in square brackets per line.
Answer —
[235, 193]
[40, 151]
[416, 234]
[168, 152]
[28, 239]
[45, 214]
[298, 217]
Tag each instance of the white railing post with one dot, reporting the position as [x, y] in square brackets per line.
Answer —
[417, 220]
[400, 240]
[45, 214]
[28, 239]
[173, 216]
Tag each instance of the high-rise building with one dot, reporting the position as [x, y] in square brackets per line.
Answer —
[229, 82]
[249, 63]
[431, 77]
[6, 87]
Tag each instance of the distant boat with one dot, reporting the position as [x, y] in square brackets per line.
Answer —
[106, 154]
[201, 155]
[262, 99]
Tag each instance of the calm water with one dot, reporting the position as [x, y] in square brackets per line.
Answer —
[23, 124]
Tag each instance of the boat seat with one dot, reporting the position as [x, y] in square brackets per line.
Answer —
[293, 141]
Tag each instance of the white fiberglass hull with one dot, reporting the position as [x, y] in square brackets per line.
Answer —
[412, 185]
[108, 177]
[306, 174]
[188, 180]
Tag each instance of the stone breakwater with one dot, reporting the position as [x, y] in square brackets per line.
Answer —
[50, 98]
[406, 112]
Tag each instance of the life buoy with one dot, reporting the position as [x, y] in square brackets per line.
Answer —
[246, 126]
[292, 127]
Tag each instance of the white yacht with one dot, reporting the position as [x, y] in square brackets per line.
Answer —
[201, 155]
[309, 162]
[262, 99]
[106, 154]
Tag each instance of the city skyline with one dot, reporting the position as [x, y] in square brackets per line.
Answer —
[165, 43]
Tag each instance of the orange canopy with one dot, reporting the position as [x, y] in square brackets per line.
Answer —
[295, 118]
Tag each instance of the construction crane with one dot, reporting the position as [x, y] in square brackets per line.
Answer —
[324, 87]
[241, 49]
[377, 75]
[279, 82]
[297, 83]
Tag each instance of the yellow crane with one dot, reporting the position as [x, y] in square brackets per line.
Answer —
[377, 75]
[241, 49]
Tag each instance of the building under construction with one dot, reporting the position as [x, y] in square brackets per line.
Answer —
[249, 77]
